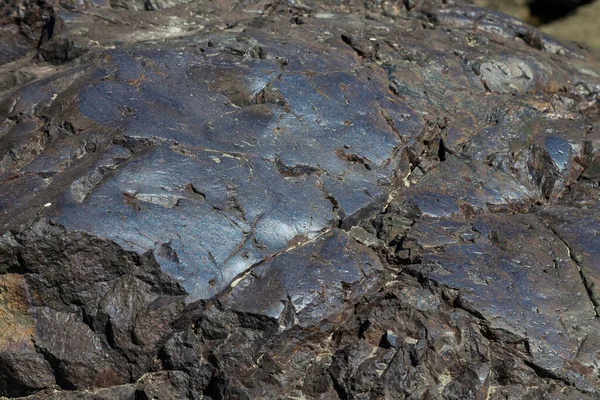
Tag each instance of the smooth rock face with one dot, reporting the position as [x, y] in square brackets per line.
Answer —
[308, 283]
[321, 201]
[537, 290]
[225, 181]
[222, 158]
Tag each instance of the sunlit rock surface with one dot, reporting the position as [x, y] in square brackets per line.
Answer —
[295, 200]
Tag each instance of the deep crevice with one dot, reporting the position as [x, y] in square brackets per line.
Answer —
[588, 287]
[442, 150]
[543, 372]
[56, 370]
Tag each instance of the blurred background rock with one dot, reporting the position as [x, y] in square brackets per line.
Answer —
[576, 20]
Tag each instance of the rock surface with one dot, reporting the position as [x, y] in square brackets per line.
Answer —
[341, 200]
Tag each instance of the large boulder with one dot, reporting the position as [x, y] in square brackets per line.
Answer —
[298, 200]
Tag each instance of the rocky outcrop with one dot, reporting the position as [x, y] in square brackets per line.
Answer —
[298, 200]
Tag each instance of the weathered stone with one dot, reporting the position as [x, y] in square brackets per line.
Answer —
[306, 285]
[284, 200]
[22, 369]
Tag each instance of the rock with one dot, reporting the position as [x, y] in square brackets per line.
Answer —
[390, 339]
[21, 25]
[552, 337]
[59, 51]
[23, 369]
[147, 5]
[307, 284]
[283, 200]
[96, 295]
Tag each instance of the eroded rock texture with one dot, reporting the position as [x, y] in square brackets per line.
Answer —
[350, 200]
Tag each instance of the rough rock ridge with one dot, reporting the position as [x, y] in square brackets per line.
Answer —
[295, 200]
